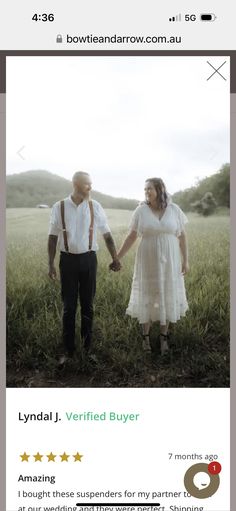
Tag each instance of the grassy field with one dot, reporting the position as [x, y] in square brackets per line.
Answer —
[199, 354]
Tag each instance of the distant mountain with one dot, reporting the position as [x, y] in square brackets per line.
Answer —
[28, 189]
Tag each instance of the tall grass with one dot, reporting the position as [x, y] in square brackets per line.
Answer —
[200, 341]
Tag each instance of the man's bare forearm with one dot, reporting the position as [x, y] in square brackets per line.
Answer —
[110, 245]
[52, 247]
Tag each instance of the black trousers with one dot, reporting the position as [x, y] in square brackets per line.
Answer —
[78, 279]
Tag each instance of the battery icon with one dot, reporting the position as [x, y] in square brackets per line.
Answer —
[208, 17]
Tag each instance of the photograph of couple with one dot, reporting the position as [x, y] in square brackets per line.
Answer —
[117, 221]
[158, 290]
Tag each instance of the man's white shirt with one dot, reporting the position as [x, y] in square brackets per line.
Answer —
[77, 221]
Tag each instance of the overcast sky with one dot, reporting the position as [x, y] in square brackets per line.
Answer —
[122, 119]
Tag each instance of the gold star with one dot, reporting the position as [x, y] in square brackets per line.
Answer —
[78, 456]
[64, 456]
[38, 457]
[24, 457]
[51, 456]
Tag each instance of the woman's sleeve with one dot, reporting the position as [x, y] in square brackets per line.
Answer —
[135, 224]
[182, 220]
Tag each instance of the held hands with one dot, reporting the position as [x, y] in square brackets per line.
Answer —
[115, 265]
[52, 272]
[185, 268]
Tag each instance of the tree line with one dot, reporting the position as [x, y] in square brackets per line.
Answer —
[208, 193]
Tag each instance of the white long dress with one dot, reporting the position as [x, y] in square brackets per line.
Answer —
[158, 290]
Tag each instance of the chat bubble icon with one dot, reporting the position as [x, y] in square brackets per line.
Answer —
[201, 480]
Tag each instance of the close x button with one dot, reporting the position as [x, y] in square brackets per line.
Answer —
[216, 70]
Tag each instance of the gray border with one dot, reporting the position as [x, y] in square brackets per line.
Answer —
[2, 302]
[3, 55]
[233, 295]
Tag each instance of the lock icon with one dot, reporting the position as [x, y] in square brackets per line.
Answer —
[59, 38]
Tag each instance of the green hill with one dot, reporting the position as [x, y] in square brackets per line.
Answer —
[218, 184]
[27, 189]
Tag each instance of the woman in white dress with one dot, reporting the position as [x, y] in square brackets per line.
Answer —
[158, 290]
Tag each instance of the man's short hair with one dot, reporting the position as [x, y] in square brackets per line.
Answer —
[78, 175]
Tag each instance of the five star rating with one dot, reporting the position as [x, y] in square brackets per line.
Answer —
[51, 457]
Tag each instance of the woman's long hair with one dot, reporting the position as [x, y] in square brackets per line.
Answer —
[162, 196]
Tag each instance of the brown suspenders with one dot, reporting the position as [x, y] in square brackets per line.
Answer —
[64, 225]
[62, 204]
[91, 224]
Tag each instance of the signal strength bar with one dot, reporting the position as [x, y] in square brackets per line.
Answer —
[176, 18]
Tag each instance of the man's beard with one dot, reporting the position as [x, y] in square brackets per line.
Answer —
[82, 195]
[86, 195]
